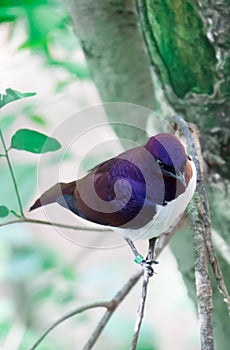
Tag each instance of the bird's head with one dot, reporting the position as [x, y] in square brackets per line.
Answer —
[170, 155]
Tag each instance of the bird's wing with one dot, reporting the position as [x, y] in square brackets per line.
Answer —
[114, 192]
[121, 176]
[51, 195]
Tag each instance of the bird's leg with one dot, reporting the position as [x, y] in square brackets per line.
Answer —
[139, 259]
[147, 263]
[150, 255]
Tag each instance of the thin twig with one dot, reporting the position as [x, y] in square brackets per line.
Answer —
[50, 223]
[204, 208]
[140, 312]
[110, 305]
[118, 298]
[141, 308]
[69, 315]
[12, 174]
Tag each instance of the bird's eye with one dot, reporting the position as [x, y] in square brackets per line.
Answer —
[159, 162]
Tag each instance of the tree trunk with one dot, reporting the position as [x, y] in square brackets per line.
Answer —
[116, 56]
[184, 41]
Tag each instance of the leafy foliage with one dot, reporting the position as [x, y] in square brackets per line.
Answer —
[4, 211]
[13, 95]
[28, 269]
[33, 141]
[48, 30]
[26, 140]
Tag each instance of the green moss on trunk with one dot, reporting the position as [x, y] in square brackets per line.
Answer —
[178, 46]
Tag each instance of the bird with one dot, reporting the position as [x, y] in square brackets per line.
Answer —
[142, 192]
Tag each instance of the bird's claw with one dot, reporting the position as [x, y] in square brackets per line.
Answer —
[146, 263]
[147, 266]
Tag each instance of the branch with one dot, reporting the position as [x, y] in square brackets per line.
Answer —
[203, 247]
[69, 315]
[140, 313]
[115, 302]
[146, 276]
[12, 174]
[203, 284]
[50, 223]
[111, 306]
[204, 207]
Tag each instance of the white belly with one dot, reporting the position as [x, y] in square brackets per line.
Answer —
[166, 217]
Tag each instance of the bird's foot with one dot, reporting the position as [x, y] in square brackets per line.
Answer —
[146, 264]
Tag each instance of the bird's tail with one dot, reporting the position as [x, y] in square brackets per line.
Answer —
[51, 195]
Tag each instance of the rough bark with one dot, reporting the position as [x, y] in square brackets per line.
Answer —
[182, 242]
[115, 53]
[188, 45]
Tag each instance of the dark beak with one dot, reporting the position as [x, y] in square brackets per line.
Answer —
[179, 176]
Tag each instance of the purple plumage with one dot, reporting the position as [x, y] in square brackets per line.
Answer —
[126, 190]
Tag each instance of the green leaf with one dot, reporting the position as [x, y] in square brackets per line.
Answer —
[33, 141]
[41, 21]
[13, 95]
[4, 211]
